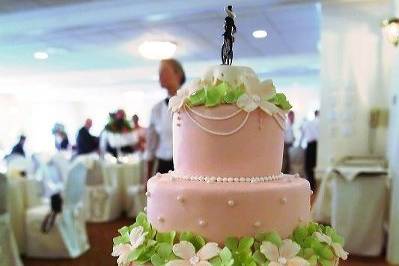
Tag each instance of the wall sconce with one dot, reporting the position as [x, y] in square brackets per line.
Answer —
[390, 28]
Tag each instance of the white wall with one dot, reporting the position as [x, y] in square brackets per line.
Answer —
[355, 76]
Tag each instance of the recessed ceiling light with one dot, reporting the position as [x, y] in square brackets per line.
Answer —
[259, 34]
[40, 55]
[157, 50]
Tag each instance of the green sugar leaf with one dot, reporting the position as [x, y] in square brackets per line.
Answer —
[164, 250]
[197, 98]
[245, 243]
[259, 258]
[231, 243]
[168, 237]
[156, 260]
[281, 101]
[273, 237]
[124, 231]
[120, 240]
[214, 95]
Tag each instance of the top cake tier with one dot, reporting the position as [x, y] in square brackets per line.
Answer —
[228, 124]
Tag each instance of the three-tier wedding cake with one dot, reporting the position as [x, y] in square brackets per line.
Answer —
[227, 202]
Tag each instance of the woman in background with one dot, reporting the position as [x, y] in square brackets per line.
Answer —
[159, 135]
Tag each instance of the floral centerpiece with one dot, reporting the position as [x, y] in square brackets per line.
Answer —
[309, 245]
[119, 131]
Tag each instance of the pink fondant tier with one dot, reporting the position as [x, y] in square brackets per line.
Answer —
[218, 210]
[256, 149]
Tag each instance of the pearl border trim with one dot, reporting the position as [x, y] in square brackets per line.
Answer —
[214, 179]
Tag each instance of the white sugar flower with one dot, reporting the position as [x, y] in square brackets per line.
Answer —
[186, 251]
[177, 101]
[338, 250]
[257, 95]
[283, 255]
[136, 237]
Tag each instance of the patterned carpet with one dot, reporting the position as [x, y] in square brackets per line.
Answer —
[101, 246]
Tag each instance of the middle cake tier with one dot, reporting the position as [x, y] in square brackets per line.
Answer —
[217, 210]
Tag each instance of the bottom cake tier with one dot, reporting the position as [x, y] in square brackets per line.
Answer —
[217, 208]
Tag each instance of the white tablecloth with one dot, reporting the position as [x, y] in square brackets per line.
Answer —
[22, 194]
[356, 207]
[125, 174]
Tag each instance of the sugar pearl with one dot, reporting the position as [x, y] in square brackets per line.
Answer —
[145, 209]
[231, 203]
[230, 179]
[158, 175]
[219, 179]
[283, 200]
[202, 223]
[311, 192]
[257, 224]
[148, 194]
[248, 179]
[242, 179]
[225, 179]
[180, 198]
[236, 179]
[212, 179]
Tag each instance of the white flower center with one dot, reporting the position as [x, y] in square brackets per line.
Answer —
[282, 260]
[256, 99]
[194, 260]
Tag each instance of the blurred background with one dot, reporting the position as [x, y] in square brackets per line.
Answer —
[66, 64]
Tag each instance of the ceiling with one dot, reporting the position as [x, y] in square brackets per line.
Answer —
[92, 45]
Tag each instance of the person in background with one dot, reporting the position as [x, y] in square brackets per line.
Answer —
[18, 149]
[310, 131]
[141, 133]
[85, 142]
[289, 139]
[159, 134]
[61, 138]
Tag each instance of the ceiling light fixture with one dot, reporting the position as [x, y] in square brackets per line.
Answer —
[390, 29]
[40, 55]
[157, 50]
[259, 34]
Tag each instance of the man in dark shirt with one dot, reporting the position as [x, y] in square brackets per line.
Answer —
[85, 142]
[19, 147]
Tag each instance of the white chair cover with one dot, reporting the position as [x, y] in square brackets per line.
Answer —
[102, 201]
[22, 193]
[9, 254]
[16, 164]
[135, 198]
[62, 164]
[50, 178]
[68, 237]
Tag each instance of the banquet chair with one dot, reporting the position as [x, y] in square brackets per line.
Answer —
[49, 176]
[67, 238]
[9, 254]
[136, 199]
[18, 165]
[102, 200]
[60, 161]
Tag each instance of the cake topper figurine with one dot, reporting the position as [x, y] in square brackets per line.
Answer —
[228, 40]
